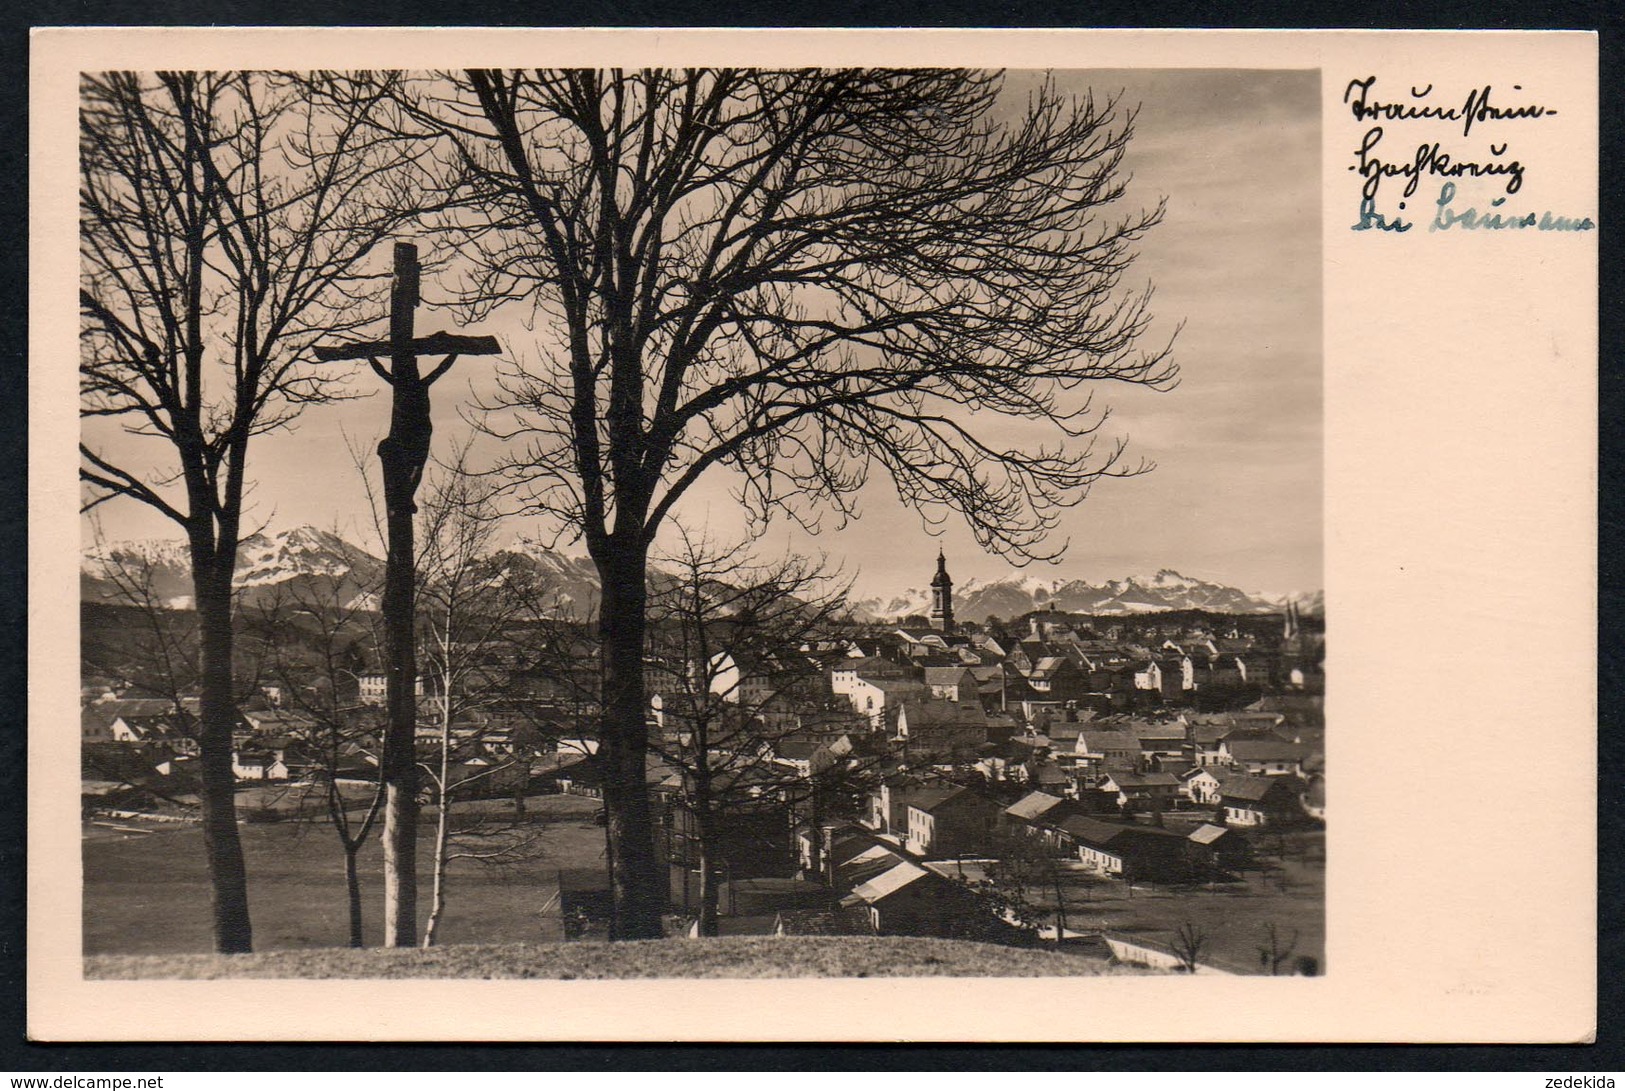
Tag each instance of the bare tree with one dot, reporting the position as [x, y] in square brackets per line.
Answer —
[1275, 952]
[727, 648]
[469, 602]
[1022, 865]
[149, 637]
[143, 639]
[225, 219]
[137, 637]
[321, 635]
[1190, 940]
[802, 276]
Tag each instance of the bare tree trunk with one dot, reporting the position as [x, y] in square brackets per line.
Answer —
[438, 905]
[708, 894]
[705, 826]
[442, 832]
[352, 882]
[1060, 904]
[635, 882]
[815, 855]
[351, 843]
[228, 878]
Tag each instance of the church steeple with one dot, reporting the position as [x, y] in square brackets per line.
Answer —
[942, 596]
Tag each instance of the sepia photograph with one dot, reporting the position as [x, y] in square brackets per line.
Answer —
[832, 522]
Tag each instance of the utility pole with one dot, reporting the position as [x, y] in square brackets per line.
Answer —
[403, 454]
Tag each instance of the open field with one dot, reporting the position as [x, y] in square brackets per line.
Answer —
[148, 893]
[799, 956]
[1233, 915]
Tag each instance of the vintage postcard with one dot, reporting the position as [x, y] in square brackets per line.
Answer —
[783, 535]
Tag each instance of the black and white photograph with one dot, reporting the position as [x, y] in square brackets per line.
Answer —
[834, 522]
[725, 536]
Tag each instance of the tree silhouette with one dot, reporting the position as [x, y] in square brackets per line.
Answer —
[316, 636]
[727, 650]
[803, 277]
[1190, 940]
[470, 602]
[1274, 950]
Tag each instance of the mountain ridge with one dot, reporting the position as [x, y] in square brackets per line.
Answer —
[1014, 595]
[306, 556]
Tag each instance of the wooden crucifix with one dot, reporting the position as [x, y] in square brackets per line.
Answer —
[403, 453]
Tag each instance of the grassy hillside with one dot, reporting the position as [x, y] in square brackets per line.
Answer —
[753, 956]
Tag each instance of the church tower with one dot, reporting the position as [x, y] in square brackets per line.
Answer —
[942, 597]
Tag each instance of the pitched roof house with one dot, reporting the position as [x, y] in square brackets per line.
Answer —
[1034, 807]
[877, 699]
[259, 765]
[950, 821]
[277, 722]
[935, 727]
[1140, 790]
[1118, 848]
[1164, 739]
[1201, 784]
[889, 800]
[1218, 845]
[1264, 757]
[1261, 801]
[1039, 814]
[909, 900]
[955, 683]
[1102, 749]
[1048, 776]
[872, 861]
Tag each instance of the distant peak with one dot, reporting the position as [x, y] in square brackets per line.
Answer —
[310, 534]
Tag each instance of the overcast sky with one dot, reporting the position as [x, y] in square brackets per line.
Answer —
[1236, 495]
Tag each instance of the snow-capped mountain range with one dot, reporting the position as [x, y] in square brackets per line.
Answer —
[302, 557]
[161, 568]
[267, 562]
[1012, 596]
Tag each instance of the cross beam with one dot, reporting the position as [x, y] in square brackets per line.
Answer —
[436, 344]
